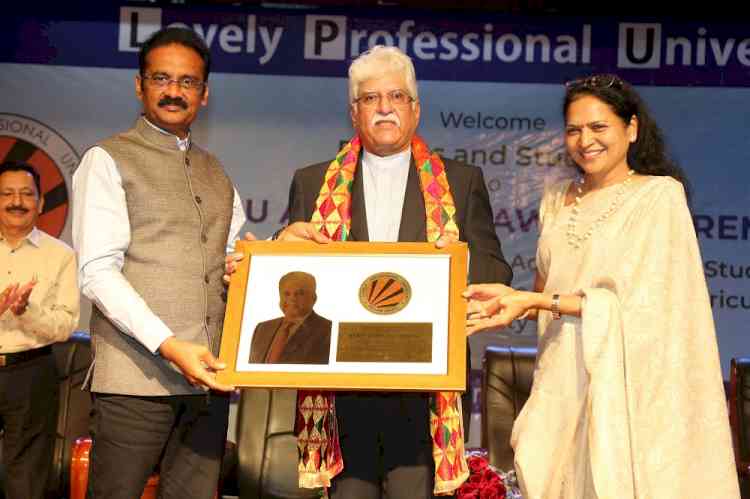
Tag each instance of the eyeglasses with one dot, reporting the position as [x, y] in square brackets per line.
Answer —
[596, 81]
[186, 82]
[395, 97]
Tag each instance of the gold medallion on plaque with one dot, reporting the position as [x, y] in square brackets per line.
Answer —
[384, 293]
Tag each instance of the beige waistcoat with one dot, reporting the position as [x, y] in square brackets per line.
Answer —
[180, 208]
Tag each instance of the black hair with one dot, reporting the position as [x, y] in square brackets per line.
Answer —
[181, 36]
[647, 155]
[20, 166]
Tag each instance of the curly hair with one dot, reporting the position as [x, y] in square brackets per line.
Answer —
[647, 155]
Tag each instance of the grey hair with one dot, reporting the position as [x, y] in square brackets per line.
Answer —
[304, 277]
[378, 62]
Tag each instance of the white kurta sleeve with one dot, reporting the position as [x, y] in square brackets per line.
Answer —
[101, 236]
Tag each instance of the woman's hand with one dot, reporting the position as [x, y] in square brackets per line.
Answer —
[494, 306]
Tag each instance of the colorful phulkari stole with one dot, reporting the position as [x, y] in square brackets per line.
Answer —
[317, 434]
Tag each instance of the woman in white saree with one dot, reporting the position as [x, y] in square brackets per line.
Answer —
[627, 400]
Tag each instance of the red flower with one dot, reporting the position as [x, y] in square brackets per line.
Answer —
[477, 464]
[474, 494]
[494, 491]
[483, 481]
[490, 476]
[474, 479]
[468, 491]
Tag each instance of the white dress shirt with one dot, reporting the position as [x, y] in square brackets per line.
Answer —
[101, 236]
[384, 180]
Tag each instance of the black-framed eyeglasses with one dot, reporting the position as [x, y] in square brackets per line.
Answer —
[186, 82]
[395, 97]
[596, 81]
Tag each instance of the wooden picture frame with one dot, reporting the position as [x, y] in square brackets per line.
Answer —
[414, 346]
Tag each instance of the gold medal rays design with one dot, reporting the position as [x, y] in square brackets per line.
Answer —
[384, 293]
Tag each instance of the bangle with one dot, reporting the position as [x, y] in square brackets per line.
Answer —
[555, 307]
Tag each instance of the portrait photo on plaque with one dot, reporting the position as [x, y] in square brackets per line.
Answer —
[300, 335]
[346, 315]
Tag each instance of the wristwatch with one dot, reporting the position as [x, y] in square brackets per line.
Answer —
[555, 307]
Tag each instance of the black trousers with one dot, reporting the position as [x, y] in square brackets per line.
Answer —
[386, 446]
[28, 413]
[183, 436]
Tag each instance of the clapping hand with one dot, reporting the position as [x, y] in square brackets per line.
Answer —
[16, 297]
[22, 297]
[7, 297]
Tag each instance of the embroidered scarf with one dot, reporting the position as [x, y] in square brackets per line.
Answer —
[319, 451]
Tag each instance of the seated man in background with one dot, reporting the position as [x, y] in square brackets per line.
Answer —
[39, 305]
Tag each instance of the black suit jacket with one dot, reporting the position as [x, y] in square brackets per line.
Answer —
[364, 414]
[473, 214]
[310, 344]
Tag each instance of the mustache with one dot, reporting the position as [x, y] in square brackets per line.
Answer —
[173, 101]
[19, 209]
[377, 118]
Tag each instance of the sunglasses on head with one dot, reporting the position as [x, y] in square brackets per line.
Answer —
[596, 81]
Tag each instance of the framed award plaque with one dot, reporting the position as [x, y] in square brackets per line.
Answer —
[346, 316]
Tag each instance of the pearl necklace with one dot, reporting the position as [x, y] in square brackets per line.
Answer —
[574, 239]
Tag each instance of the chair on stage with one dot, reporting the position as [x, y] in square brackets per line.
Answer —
[739, 418]
[2, 468]
[73, 359]
[267, 447]
[507, 374]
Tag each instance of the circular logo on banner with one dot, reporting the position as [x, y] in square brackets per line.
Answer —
[384, 293]
[28, 140]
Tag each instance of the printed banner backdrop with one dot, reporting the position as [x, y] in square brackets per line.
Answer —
[490, 88]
